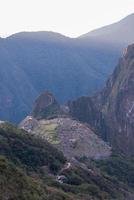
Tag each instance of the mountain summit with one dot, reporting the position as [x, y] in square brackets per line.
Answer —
[45, 106]
[118, 34]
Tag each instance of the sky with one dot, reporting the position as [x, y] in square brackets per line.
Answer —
[69, 17]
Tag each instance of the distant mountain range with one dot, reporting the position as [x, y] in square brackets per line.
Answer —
[31, 62]
[117, 34]
[51, 155]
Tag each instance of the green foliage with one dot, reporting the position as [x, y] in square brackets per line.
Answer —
[81, 182]
[106, 179]
[21, 147]
[47, 131]
[15, 184]
[120, 168]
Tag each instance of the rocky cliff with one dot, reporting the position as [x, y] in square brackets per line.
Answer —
[46, 106]
[111, 112]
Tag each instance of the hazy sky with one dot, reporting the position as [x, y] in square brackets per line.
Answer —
[69, 17]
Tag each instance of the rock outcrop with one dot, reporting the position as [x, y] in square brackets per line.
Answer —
[46, 106]
[111, 112]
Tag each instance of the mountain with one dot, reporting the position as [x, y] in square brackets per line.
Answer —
[119, 34]
[14, 87]
[31, 168]
[111, 112]
[31, 62]
[92, 170]
[46, 106]
[74, 139]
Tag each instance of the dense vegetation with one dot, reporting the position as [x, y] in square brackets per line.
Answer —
[95, 183]
[28, 169]
[28, 150]
[16, 185]
[119, 168]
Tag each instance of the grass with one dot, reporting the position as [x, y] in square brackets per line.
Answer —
[47, 131]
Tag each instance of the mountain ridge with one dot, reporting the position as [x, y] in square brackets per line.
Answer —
[68, 67]
[114, 113]
[113, 28]
[125, 18]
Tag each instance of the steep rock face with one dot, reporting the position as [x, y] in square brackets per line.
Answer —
[113, 107]
[85, 109]
[118, 104]
[46, 106]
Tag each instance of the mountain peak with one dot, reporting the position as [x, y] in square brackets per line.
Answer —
[114, 33]
[39, 35]
[129, 51]
[45, 106]
[129, 18]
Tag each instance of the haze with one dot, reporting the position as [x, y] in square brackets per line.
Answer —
[69, 17]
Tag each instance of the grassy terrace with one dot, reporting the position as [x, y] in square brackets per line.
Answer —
[47, 130]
